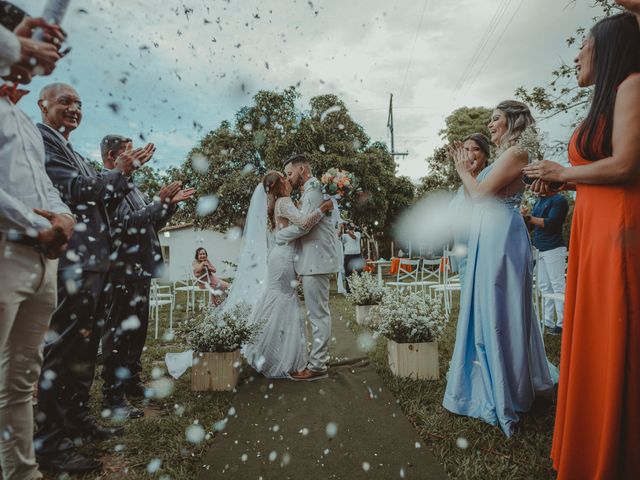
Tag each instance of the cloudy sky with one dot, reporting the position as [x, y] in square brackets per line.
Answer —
[170, 70]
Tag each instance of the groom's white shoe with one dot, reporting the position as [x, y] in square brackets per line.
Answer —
[308, 375]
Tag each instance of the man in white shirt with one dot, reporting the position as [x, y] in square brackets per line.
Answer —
[353, 261]
[31, 239]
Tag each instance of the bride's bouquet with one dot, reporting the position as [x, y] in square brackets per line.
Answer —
[338, 183]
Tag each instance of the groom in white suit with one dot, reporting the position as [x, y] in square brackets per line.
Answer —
[316, 260]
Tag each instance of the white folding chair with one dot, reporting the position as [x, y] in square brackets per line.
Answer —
[450, 283]
[430, 273]
[408, 273]
[202, 284]
[186, 284]
[161, 296]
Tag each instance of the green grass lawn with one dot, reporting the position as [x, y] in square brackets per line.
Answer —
[466, 447]
[160, 435]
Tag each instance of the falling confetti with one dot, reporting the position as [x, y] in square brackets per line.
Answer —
[331, 430]
[154, 465]
[328, 111]
[195, 434]
[131, 323]
[200, 163]
[207, 205]
[462, 443]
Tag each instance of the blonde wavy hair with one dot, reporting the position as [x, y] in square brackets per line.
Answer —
[519, 119]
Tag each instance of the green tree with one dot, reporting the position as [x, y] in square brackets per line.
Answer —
[149, 180]
[562, 94]
[462, 122]
[229, 161]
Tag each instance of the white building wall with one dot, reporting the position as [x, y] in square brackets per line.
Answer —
[182, 245]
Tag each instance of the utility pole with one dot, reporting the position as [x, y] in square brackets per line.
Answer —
[390, 127]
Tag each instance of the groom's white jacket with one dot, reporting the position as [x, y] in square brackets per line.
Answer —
[317, 248]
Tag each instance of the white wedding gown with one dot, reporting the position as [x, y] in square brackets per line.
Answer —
[281, 346]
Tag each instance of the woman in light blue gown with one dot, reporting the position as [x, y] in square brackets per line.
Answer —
[499, 363]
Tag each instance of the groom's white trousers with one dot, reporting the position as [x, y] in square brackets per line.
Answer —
[316, 299]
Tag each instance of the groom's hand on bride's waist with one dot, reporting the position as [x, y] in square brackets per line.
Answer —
[279, 239]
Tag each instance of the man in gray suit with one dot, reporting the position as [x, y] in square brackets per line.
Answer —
[317, 259]
[137, 258]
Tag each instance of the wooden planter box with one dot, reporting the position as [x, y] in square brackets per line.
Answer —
[215, 370]
[414, 360]
[367, 314]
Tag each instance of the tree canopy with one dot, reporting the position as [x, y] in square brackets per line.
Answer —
[460, 123]
[229, 161]
[562, 94]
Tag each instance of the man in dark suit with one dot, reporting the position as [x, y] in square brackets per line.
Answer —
[137, 259]
[83, 286]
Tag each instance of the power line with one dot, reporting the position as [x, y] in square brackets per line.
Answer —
[477, 53]
[415, 40]
[479, 71]
[493, 24]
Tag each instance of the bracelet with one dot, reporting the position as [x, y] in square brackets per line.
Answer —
[70, 215]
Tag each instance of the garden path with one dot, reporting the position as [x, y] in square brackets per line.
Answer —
[348, 426]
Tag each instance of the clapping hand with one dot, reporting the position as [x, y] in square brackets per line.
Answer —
[538, 187]
[130, 159]
[173, 194]
[167, 192]
[545, 170]
[183, 195]
[461, 159]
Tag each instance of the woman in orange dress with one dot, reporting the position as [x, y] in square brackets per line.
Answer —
[597, 427]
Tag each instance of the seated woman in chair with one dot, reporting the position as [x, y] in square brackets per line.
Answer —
[204, 271]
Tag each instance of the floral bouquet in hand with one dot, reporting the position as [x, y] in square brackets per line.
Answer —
[338, 184]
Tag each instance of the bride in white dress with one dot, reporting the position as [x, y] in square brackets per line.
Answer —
[281, 346]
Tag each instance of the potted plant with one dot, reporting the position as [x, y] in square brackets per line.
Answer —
[216, 338]
[365, 294]
[412, 324]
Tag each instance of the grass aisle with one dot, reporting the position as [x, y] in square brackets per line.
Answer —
[467, 448]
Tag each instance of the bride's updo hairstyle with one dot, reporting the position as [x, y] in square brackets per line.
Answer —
[273, 183]
[519, 118]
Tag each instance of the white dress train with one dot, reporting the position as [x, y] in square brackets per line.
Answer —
[281, 346]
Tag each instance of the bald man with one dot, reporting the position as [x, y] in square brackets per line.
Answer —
[83, 285]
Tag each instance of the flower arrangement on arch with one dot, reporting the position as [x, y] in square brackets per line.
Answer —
[409, 317]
